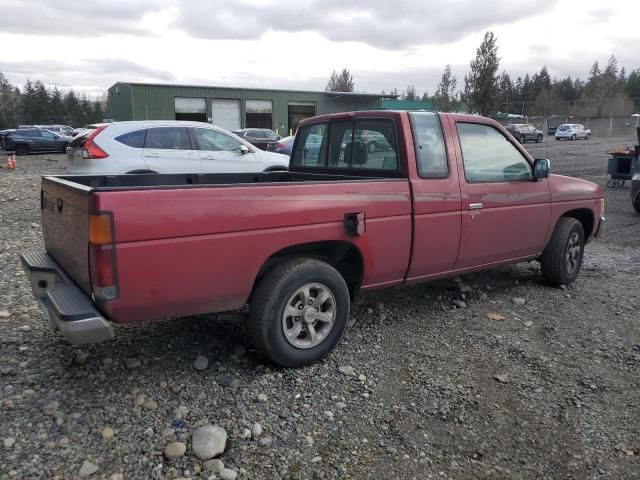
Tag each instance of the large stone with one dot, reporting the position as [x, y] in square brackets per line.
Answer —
[228, 474]
[209, 441]
[87, 469]
[174, 450]
[201, 363]
[213, 466]
[347, 370]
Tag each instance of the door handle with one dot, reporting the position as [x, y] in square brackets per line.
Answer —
[475, 206]
[151, 155]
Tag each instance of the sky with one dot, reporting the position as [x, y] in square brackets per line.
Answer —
[386, 44]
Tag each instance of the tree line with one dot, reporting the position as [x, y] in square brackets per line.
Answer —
[36, 104]
[605, 92]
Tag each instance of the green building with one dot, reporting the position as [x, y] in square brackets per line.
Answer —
[232, 108]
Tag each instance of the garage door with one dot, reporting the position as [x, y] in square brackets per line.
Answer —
[226, 113]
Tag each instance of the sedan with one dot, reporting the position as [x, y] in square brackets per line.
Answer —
[260, 137]
[283, 146]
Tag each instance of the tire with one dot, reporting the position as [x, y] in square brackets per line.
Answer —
[283, 288]
[636, 204]
[22, 149]
[573, 137]
[586, 137]
[557, 139]
[562, 258]
[372, 147]
[64, 148]
[522, 139]
[538, 138]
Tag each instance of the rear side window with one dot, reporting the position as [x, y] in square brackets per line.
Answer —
[133, 139]
[168, 138]
[361, 144]
[429, 145]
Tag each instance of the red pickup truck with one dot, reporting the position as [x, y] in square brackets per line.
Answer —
[441, 195]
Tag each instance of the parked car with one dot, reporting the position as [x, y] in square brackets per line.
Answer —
[34, 140]
[282, 146]
[3, 133]
[166, 147]
[298, 245]
[524, 132]
[572, 131]
[92, 126]
[552, 130]
[61, 129]
[260, 137]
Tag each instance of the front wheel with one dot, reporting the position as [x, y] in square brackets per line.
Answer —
[538, 138]
[372, 147]
[573, 137]
[299, 312]
[636, 204]
[586, 137]
[22, 149]
[522, 139]
[64, 147]
[562, 258]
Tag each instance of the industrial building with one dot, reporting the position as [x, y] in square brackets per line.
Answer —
[233, 108]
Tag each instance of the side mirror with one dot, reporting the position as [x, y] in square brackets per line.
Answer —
[244, 149]
[541, 167]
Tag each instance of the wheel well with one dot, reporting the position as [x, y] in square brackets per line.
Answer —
[585, 217]
[139, 171]
[275, 169]
[343, 256]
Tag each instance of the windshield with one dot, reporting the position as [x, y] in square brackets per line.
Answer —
[564, 128]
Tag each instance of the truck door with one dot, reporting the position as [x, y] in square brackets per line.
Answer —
[436, 198]
[505, 214]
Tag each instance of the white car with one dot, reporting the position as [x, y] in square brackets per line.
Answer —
[166, 147]
[572, 131]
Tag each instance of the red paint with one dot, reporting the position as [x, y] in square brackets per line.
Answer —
[197, 250]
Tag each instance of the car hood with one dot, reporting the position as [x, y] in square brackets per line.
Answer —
[273, 157]
[568, 188]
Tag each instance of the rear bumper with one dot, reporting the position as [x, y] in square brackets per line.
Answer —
[68, 309]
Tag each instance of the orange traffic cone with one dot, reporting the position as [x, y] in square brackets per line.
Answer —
[11, 162]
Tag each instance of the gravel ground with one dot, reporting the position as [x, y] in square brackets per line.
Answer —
[514, 380]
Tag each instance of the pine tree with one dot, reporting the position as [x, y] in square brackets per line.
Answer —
[41, 108]
[56, 108]
[445, 98]
[98, 112]
[27, 104]
[340, 82]
[72, 110]
[481, 84]
[410, 93]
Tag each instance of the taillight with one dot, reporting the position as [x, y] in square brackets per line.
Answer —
[90, 149]
[102, 257]
[280, 145]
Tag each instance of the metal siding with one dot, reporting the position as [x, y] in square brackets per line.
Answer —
[156, 102]
[120, 104]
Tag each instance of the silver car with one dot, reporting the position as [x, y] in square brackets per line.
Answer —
[572, 131]
[166, 147]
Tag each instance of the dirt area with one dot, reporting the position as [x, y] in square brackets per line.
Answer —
[547, 389]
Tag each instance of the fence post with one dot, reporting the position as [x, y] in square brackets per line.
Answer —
[611, 124]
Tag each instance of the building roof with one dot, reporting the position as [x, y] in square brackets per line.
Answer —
[323, 92]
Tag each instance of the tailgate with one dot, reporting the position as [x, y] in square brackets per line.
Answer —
[65, 227]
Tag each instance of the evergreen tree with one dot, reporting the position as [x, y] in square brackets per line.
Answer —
[340, 82]
[41, 108]
[9, 103]
[445, 98]
[481, 84]
[633, 87]
[56, 107]
[410, 93]
[425, 97]
[72, 110]
[27, 104]
[98, 112]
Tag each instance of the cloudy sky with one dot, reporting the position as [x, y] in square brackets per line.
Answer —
[386, 44]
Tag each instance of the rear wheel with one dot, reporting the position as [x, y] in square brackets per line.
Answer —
[586, 137]
[573, 137]
[636, 204]
[522, 139]
[22, 149]
[299, 312]
[64, 148]
[538, 138]
[562, 257]
[372, 147]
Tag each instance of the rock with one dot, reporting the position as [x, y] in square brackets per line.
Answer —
[528, 324]
[87, 469]
[362, 378]
[501, 377]
[228, 474]
[465, 288]
[310, 441]
[460, 304]
[116, 476]
[132, 363]
[518, 301]
[9, 442]
[107, 433]
[341, 405]
[228, 381]
[256, 430]
[4, 314]
[138, 400]
[150, 405]
[265, 441]
[496, 317]
[262, 397]
[347, 370]
[50, 408]
[81, 357]
[246, 434]
[316, 459]
[24, 328]
[201, 363]
[208, 441]
[328, 414]
[174, 450]
[213, 466]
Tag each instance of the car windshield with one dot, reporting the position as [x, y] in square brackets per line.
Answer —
[563, 128]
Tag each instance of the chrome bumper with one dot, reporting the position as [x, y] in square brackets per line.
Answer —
[601, 226]
[68, 309]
